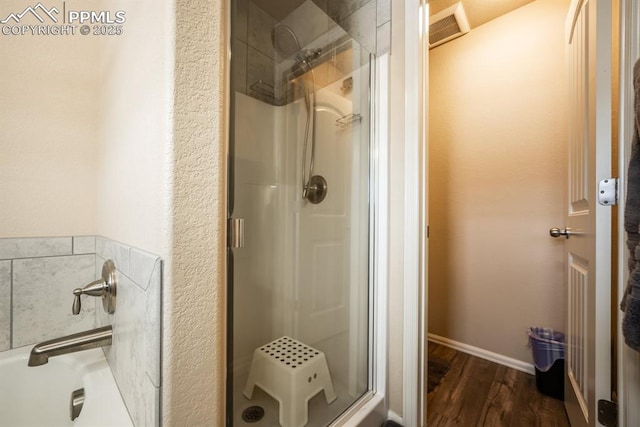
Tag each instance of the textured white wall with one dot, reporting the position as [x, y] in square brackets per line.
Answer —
[195, 304]
[48, 133]
[135, 124]
[497, 171]
[162, 183]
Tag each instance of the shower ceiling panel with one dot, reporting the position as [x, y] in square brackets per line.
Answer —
[279, 9]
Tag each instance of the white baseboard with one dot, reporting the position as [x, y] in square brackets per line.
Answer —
[483, 354]
[392, 416]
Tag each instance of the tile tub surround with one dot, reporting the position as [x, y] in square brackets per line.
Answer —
[5, 305]
[43, 295]
[134, 356]
[37, 276]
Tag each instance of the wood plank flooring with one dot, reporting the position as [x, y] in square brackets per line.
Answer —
[476, 392]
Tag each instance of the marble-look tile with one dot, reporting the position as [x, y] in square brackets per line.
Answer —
[383, 12]
[117, 252]
[43, 295]
[361, 25]
[153, 410]
[153, 315]
[239, 64]
[240, 20]
[134, 353]
[260, 67]
[259, 30]
[5, 305]
[34, 247]
[150, 405]
[383, 44]
[84, 245]
[143, 265]
[340, 9]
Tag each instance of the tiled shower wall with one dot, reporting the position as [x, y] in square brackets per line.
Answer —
[37, 277]
[134, 356]
[367, 21]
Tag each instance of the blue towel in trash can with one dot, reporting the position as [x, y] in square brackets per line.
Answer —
[548, 346]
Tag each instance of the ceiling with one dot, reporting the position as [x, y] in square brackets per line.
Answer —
[479, 11]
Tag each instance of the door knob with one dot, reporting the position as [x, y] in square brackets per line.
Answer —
[557, 232]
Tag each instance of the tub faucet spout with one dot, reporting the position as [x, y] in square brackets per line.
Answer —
[85, 340]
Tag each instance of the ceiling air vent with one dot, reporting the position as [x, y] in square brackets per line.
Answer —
[447, 25]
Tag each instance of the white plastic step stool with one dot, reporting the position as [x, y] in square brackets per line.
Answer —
[292, 373]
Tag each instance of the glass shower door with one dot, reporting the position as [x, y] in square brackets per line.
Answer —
[299, 178]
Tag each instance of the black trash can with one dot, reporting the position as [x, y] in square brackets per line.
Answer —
[548, 357]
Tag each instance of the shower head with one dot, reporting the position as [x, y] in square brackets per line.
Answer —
[286, 44]
[284, 41]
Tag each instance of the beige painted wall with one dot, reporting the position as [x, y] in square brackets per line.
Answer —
[85, 128]
[497, 169]
[48, 132]
[134, 153]
[89, 144]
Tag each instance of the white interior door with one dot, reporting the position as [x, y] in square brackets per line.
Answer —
[588, 246]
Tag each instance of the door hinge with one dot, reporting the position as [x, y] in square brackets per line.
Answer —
[608, 192]
[608, 413]
[235, 233]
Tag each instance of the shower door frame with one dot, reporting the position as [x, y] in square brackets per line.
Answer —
[371, 407]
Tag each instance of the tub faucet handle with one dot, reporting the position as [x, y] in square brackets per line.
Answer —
[96, 288]
[104, 287]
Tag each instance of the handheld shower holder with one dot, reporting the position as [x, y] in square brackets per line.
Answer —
[104, 287]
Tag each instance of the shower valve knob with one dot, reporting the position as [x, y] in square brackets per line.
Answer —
[316, 190]
[96, 289]
[104, 287]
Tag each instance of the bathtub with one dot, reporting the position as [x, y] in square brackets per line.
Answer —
[39, 396]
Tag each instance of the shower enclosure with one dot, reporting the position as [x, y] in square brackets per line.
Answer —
[299, 207]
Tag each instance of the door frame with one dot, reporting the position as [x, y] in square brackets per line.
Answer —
[413, 73]
[408, 129]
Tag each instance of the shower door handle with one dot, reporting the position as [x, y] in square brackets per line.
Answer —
[235, 233]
